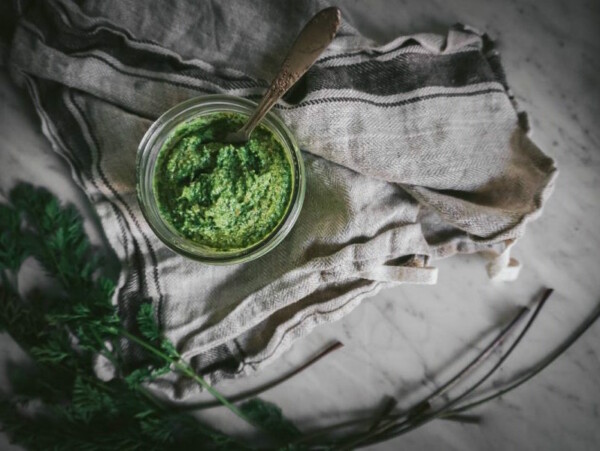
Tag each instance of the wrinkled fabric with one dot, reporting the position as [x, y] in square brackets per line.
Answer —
[414, 151]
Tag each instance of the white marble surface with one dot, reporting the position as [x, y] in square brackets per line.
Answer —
[404, 341]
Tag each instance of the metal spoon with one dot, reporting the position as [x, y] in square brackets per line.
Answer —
[316, 35]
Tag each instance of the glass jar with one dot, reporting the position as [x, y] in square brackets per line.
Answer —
[147, 155]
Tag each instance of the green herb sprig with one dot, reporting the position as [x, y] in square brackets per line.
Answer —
[65, 334]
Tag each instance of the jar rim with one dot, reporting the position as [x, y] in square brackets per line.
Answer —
[149, 149]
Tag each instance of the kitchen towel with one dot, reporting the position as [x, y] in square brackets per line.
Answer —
[414, 150]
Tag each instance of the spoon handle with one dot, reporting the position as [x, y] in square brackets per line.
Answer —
[316, 35]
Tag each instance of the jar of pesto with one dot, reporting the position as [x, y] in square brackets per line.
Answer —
[216, 202]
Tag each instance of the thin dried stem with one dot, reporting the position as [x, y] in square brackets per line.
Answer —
[262, 388]
[536, 369]
[406, 426]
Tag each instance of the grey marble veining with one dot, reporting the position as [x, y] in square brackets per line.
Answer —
[406, 340]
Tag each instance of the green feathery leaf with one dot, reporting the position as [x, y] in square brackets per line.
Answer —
[270, 417]
[63, 335]
[12, 250]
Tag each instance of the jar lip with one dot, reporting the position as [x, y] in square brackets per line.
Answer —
[150, 147]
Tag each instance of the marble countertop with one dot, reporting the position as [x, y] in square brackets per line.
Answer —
[404, 341]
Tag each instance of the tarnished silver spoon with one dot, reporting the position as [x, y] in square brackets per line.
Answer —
[316, 35]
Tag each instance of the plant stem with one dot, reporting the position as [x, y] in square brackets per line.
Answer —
[388, 405]
[382, 423]
[423, 416]
[185, 369]
[536, 369]
[405, 426]
[255, 391]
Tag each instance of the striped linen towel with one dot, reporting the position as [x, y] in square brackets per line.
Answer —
[414, 151]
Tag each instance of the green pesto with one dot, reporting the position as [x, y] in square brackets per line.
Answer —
[219, 195]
